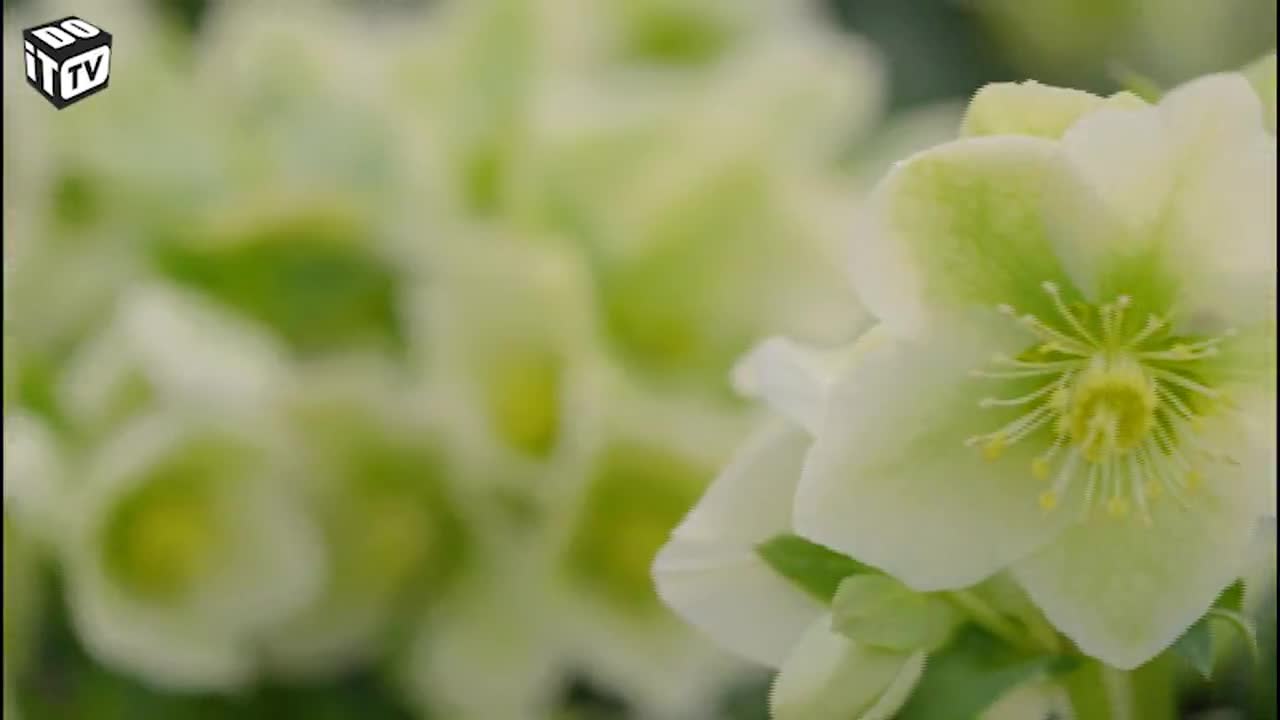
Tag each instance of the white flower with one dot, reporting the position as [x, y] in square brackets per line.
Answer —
[381, 486]
[175, 519]
[1081, 380]
[183, 546]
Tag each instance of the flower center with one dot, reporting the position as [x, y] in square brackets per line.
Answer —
[1117, 400]
[1112, 407]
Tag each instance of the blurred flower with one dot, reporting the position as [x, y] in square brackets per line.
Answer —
[683, 185]
[379, 485]
[1146, 390]
[179, 537]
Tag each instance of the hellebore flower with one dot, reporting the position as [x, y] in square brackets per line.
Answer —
[182, 548]
[1080, 380]
[379, 486]
[178, 534]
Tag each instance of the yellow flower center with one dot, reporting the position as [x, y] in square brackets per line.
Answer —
[1118, 402]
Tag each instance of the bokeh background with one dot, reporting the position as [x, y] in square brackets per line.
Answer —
[359, 355]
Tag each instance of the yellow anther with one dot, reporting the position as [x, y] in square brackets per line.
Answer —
[1197, 423]
[1048, 500]
[994, 447]
[1118, 506]
[1040, 468]
[1195, 480]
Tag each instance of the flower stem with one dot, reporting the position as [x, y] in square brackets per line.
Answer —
[1099, 692]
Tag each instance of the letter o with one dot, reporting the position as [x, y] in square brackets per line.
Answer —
[79, 28]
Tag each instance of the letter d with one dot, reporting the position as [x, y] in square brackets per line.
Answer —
[54, 37]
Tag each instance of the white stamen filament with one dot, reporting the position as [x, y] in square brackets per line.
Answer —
[1114, 404]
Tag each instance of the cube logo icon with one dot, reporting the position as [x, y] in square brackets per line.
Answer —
[67, 60]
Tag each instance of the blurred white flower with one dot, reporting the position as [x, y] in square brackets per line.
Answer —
[382, 486]
[184, 545]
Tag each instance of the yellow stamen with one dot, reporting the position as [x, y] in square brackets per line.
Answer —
[1048, 500]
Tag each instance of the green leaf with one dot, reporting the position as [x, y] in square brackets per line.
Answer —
[881, 612]
[815, 569]
[975, 671]
[1196, 647]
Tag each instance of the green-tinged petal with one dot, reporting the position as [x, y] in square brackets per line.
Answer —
[829, 677]
[1262, 75]
[1189, 189]
[1029, 108]
[710, 573]
[793, 378]
[958, 226]
[1124, 590]
[891, 480]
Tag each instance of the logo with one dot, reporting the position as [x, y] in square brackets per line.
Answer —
[67, 60]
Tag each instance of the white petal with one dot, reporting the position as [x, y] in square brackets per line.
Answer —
[829, 677]
[1189, 194]
[890, 480]
[1123, 591]
[710, 573]
[791, 378]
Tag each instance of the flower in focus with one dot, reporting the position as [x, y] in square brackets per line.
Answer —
[1080, 382]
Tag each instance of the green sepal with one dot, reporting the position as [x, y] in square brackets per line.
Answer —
[878, 611]
[816, 569]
